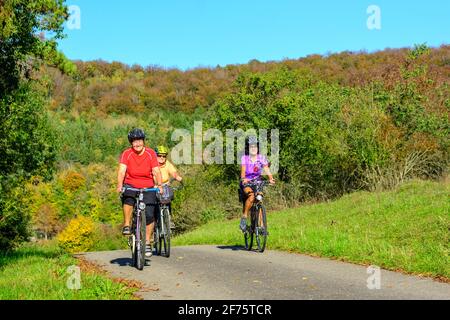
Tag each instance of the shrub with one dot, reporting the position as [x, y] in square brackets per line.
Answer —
[78, 235]
[14, 219]
[73, 181]
[108, 237]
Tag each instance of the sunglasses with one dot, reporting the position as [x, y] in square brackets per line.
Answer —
[161, 156]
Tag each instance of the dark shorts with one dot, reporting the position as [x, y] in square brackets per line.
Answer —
[129, 197]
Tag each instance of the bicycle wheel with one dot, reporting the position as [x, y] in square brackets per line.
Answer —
[140, 241]
[132, 241]
[261, 227]
[165, 227]
[248, 234]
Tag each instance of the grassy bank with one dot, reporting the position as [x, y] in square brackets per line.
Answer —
[41, 272]
[406, 229]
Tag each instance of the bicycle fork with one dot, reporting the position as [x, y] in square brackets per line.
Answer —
[140, 210]
[161, 221]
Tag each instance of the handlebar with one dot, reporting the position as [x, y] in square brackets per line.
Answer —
[255, 182]
[179, 187]
[140, 190]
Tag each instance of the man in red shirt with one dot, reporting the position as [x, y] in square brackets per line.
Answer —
[138, 165]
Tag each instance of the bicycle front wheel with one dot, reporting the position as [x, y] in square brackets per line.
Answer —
[140, 241]
[165, 233]
[261, 228]
[132, 242]
[156, 237]
[248, 234]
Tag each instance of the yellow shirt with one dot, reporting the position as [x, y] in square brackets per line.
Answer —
[167, 171]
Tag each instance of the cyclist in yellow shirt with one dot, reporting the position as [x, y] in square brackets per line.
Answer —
[167, 169]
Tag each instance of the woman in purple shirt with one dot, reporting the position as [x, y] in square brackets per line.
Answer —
[252, 166]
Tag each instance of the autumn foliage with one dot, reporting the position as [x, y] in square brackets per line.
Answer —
[115, 87]
[78, 235]
[347, 121]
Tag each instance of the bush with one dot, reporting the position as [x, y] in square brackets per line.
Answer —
[109, 237]
[14, 219]
[78, 235]
[73, 181]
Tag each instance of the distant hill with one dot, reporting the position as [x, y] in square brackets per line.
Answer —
[115, 87]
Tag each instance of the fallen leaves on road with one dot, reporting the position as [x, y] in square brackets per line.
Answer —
[92, 268]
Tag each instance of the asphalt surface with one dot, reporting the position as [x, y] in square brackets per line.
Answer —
[223, 272]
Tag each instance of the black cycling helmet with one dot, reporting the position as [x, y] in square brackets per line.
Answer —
[252, 140]
[136, 134]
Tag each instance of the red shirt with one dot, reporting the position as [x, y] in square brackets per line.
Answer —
[139, 167]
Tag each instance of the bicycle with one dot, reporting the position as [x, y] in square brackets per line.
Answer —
[163, 224]
[258, 220]
[136, 241]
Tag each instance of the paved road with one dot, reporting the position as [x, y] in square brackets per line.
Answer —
[222, 272]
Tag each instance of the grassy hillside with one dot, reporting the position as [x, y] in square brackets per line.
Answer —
[406, 229]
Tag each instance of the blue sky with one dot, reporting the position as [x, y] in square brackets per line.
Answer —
[191, 33]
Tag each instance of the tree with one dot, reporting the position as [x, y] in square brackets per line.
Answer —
[23, 46]
[27, 142]
[46, 220]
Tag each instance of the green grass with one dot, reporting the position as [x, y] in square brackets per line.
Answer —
[40, 272]
[406, 229]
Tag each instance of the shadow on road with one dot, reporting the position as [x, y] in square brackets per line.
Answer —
[234, 248]
[123, 262]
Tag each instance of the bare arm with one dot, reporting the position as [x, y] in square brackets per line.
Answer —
[121, 176]
[157, 174]
[243, 174]
[269, 174]
[176, 176]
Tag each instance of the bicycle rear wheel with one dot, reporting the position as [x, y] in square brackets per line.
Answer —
[261, 227]
[140, 241]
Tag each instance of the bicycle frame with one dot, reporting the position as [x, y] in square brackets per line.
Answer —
[163, 207]
[255, 219]
[258, 189]
[135, 240]
[162, 228]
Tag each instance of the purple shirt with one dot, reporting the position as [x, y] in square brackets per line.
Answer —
[254, 170]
